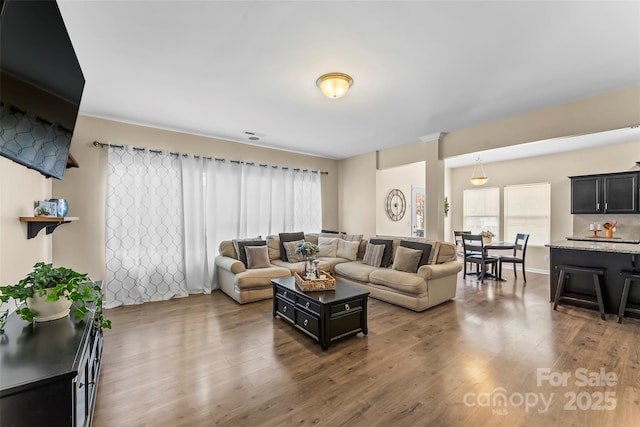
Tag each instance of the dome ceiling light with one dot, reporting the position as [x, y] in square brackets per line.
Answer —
[334, 85]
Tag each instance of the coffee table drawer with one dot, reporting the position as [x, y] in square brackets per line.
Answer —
[342, 308]
[349, 323]
[309, 323]
[286, 293]
[286, 308]
[309, 304]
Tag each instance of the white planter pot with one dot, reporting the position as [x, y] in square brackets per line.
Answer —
[48, 310]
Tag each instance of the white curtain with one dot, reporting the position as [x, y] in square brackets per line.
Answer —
[167, 214]
[144, 227]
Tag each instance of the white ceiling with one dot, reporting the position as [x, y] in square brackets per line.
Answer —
[220, 69]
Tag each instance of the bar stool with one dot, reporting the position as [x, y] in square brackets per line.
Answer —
[574, 269]
[628, 276]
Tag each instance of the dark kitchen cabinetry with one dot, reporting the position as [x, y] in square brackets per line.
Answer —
[615, 193]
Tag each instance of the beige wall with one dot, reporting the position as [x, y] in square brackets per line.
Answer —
[402, 178]
[357, 194]
[83, 241]
[613, 110]
[19, 188]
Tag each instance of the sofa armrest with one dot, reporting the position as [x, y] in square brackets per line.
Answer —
[436, 271]
[230, 264]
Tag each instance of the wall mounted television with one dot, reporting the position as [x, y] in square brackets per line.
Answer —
[41, 85]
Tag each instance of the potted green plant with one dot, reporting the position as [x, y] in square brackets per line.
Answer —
[57, 288]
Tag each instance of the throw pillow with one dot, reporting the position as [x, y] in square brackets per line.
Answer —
[373, 255]
[424, 247]
[407, 259]
[352, 237]
[235, 243]
[328, 246]
[388, 250]
[348, 250]
[242, 254]
[288, 237]
[290, 251]
[257, 257]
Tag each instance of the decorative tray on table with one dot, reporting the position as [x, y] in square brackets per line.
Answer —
[326, 283]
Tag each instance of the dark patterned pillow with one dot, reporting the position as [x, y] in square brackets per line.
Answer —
[288, 237]
[424, 247]
[388, 250]
[242, 255]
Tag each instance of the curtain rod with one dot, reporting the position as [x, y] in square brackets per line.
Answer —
[102, 145]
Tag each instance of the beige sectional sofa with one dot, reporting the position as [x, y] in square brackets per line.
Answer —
[433, 283]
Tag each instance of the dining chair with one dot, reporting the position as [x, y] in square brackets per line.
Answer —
[457, 238]
[475, 253]
[519, 252]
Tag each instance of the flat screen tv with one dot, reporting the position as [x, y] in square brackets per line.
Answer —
[40, 86]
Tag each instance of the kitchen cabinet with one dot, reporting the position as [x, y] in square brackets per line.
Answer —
[615, 193]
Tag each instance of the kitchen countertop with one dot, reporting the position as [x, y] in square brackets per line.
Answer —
[597, 246]
[604, 239]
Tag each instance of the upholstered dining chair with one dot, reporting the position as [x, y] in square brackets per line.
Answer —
[475, 253]
[519, 252]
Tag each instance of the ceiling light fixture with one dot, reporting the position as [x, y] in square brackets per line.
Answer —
[478, 177]
[334, 85]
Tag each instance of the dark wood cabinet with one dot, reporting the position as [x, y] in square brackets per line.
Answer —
[49, 371]
[605, 194]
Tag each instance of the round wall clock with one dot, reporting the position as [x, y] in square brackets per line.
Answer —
[396, 205]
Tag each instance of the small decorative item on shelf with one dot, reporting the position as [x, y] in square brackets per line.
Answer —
[610, 227]
[45, 208]
[308, 250]
[62, 207]
[487, 236]
[595, 228]
[324, 283]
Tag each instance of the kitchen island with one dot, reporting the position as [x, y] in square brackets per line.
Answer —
[613, 257]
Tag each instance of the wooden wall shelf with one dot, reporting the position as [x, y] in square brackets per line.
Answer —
[37, 223]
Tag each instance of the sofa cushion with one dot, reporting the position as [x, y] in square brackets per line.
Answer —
[242, 255]
[226, 249]
[373, 255]
[352, 237]
[288, 237]
[355, 270]
[447, 252]
[259, 277]
[290, 251]
[407, 259]
[311, 238]
[348, 250]
[399, 280]
[425, 248]
[328, 246]
[257, 256]
[273, 243]
[298, 267]
[388, 250]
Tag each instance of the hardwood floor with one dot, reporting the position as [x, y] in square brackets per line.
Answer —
[206, 360]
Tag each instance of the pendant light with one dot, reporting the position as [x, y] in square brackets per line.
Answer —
[478, 177]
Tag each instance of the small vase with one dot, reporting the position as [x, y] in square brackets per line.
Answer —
[486, 240]
[308, 268]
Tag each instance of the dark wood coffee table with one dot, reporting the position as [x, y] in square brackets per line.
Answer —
[325, 316]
